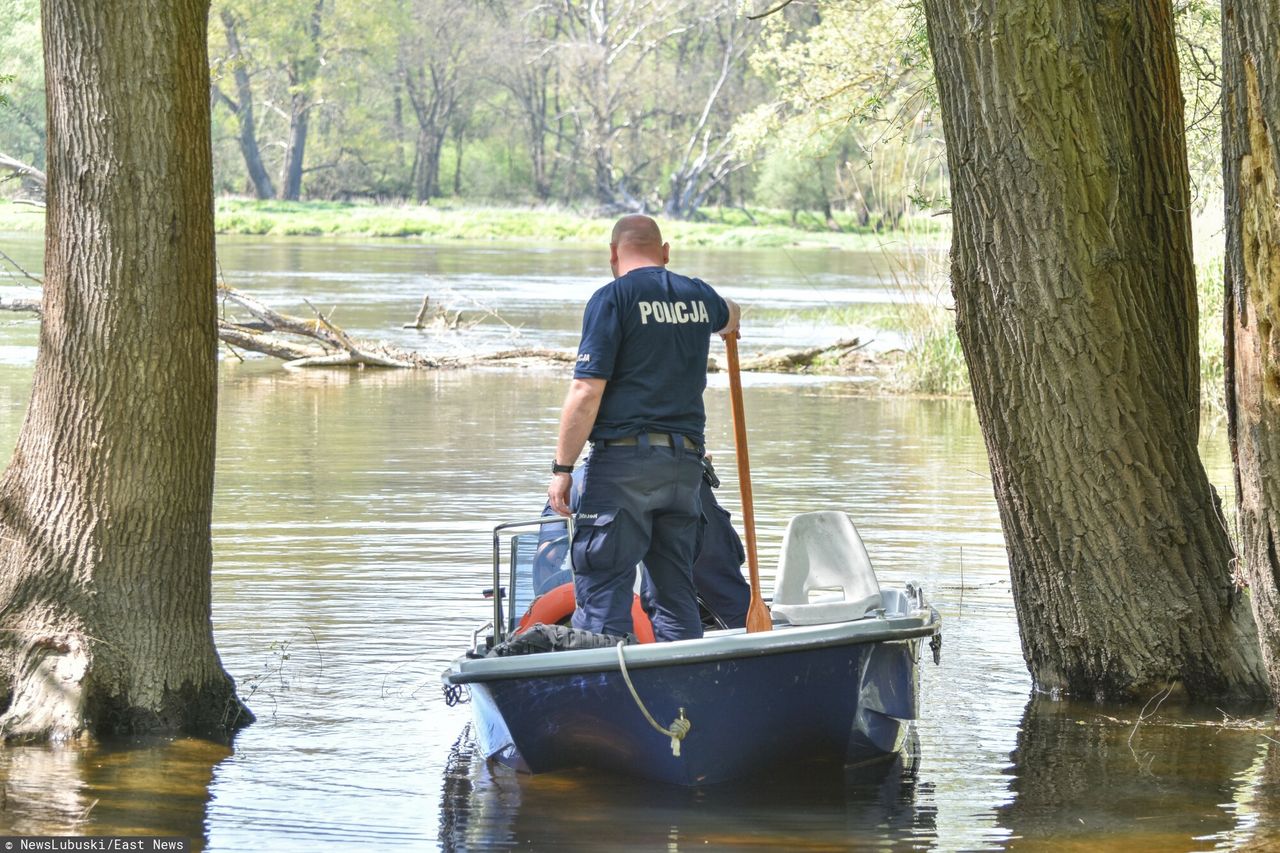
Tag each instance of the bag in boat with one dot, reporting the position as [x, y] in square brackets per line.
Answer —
[541, 638]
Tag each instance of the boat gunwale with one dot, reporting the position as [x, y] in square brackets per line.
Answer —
[727, 645]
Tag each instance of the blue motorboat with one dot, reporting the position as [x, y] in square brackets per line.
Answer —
[835, 681]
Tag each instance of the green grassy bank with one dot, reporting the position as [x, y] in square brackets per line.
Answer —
[729, 227]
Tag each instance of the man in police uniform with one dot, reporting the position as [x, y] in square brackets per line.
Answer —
[637, 394]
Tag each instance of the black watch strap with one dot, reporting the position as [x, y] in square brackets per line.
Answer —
[557, 468]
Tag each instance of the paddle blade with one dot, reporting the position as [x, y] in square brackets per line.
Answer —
[758, 618]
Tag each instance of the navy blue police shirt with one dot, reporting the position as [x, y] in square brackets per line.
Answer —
[648, 333]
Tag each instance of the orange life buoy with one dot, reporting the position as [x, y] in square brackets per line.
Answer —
[557, 605]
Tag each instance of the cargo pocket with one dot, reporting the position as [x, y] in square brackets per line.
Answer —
[595, 542]
[720, 533]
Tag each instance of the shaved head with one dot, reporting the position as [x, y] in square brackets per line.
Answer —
[637, 232]
[636, 242]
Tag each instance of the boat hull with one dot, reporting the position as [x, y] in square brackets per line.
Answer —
[836, 702]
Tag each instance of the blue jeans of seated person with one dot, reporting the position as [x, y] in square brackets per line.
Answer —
[638, 503]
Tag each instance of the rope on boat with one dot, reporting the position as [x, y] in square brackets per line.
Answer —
[679, 726]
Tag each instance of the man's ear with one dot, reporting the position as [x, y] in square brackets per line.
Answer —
[666, 254]
[613, 253]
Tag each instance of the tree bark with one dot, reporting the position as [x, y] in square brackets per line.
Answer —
[105, 556]
[296, 150]
[1075, 304]
[1251, 172]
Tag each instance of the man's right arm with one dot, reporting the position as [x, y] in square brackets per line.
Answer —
[576, 420]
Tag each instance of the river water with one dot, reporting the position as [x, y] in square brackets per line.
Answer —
[351, 539]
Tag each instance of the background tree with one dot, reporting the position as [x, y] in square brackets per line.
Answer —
[1075, 304]
[1251, 41]
[852, 97]
[441, 52]
[105, 554]
[603, 104]
[236, 65]
[276, 52]
[712, 81]
[533, 84]
[646, 82]
[22, 120]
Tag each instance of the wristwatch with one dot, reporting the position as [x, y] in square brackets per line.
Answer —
[557, 468]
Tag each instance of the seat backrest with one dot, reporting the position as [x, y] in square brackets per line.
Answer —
[824, 564]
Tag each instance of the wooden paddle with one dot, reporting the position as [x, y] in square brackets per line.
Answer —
[758, 618]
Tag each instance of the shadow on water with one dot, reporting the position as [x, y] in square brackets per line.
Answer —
[1180, 777]
[487, 806]
[151, 786]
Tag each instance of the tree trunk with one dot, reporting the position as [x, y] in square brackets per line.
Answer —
[243, 107]
[433, 164]
[422, 161]
[1251, 110]
[105, 507]
[296, 150]
[1075, 304]
[535, 105]
[302, 72]
[458, 134]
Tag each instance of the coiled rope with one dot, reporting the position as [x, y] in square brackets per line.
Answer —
[679, 726]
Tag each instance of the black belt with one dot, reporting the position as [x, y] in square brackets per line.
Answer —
[664, 439]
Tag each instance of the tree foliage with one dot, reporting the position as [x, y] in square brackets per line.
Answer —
[22, 117]
[853, 99]
[661, 105]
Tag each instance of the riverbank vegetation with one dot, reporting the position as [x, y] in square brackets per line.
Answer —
[669, 107]
[716, 227]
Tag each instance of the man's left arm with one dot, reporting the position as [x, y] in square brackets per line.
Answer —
[576, 420]
[734, 321]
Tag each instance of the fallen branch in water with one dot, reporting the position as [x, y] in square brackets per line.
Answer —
[442, 319]
[796, 360]
[34, 279]
[22, 306]
[319, 342]
[561, 356]
[439, 320]
[332, 346]
[23, 170]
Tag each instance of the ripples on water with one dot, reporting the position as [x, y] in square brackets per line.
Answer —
[352, 542]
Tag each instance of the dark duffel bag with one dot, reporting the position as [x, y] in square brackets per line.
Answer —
[541, 638]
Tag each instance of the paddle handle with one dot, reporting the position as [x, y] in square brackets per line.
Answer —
[758, 618]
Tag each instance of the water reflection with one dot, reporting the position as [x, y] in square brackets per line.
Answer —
[1090, 777]
[1257, 801]
[127, 787]
[875, 806]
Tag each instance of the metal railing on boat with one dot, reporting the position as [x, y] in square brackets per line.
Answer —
[499, 624]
